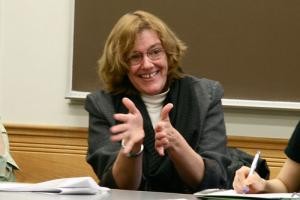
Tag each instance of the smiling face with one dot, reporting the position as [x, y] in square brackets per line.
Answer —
[148, 65]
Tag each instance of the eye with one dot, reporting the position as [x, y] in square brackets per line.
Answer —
[155, 51]
[135, 56]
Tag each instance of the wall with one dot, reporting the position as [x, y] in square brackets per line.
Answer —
[35, 52]
[35, 59]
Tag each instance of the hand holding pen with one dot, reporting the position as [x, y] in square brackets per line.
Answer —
[252, 169]
[246, 180]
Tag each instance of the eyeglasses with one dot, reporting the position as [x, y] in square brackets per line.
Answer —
[153, 54]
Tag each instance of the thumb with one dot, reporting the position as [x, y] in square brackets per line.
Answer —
[160, 150]
[164, 115]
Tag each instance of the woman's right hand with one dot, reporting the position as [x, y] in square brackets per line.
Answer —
[130, 130]
[244, 184]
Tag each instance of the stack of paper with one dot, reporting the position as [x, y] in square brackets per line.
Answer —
[77, 185]
[231, 194]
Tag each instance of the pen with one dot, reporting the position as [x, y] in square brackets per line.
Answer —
[254, 163]
[252, 169]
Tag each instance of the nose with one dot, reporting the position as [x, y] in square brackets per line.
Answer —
[146, 62]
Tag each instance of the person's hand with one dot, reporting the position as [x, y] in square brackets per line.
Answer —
[165, 133]
[244, 184]
[130, 130]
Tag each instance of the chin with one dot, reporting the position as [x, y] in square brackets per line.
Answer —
[153, 92]
[152, 89]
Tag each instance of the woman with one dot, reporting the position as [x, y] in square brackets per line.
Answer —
[7, 164]
[153, 127]
[288, 179]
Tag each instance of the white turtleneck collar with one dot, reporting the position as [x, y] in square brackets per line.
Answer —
[154, 104]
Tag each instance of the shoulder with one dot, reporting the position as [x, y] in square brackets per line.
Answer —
[292, 149]
[2, 129]
[297, 131]
[100, 101]
[3, 133]
[204, 86]
[99, 96]
[295, 138]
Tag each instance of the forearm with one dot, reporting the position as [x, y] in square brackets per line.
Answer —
[188, 163]
[275, 185]
[287, 179]
[127, 171]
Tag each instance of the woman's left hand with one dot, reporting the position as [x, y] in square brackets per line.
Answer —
[165, 133]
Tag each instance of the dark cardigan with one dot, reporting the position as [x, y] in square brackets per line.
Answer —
[197, 115]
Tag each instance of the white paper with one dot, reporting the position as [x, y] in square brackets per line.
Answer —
[76, 185]
[232, 193]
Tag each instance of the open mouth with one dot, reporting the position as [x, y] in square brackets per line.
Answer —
[150, 75]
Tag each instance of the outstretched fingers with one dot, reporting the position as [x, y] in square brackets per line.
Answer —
[160, 136]
[129, 130]
[164, 115]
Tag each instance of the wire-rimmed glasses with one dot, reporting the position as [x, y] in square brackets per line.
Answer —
[153, 54]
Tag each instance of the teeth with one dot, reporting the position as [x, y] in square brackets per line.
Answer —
[149, 75]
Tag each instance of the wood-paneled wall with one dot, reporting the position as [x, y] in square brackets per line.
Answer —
[47, 152]
[44, 153]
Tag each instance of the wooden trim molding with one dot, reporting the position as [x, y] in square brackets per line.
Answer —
[49, 152]
[47, 139]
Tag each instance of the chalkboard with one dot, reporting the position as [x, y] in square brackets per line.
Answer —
[252, 47]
